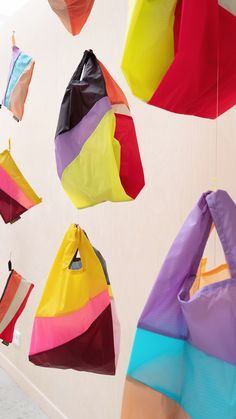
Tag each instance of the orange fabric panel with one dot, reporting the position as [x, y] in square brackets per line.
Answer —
[20, 92]
[9, 293]
[78, 12]
[114, 92]
[196, 284]
[204, 277]
[142, 402]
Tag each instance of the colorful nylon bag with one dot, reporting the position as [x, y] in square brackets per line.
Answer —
[72, 13]
[16, 195]
[96, 147]
[76, 326]
[19, 78]
[183, 362]
[12, 304]
[179, 55]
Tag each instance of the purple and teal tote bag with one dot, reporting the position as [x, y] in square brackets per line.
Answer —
[183, 362]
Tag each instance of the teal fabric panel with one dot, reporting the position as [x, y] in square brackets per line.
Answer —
[203, 385]
[20, 66]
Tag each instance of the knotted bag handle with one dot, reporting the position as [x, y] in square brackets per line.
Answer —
[78, 72]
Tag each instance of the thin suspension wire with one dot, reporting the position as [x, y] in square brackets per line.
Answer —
[11, 215]
[216, 134]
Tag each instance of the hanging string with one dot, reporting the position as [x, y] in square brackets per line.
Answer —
[216, 135]
[11, 215]
[77, 218]
[13, 39]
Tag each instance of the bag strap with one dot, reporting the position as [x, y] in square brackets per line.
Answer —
[179, 268]
[223, 212]
[70, 245]
[88, 56]
[181, 264]
[91, 73]
[186, 252]
[77, 240]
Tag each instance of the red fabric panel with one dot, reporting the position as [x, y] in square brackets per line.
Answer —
[93, 351]
[189, 86]
[131, 170]
[177, 24]
[7, 334]
[9, 293]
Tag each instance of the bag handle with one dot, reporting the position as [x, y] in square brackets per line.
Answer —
[179, 268]
[70, 245]
[78, 72]
[182, 261]
[74, 240]
[223, 212]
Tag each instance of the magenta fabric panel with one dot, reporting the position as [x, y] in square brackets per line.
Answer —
[68, 327]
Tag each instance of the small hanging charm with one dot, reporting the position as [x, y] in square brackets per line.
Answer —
[9, 145]
[10, 265]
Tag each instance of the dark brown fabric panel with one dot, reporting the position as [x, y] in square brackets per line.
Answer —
[10, 210]
[93, 351]
[81, 95]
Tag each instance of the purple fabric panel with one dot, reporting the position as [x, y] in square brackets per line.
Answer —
[223, 211]
[211, 317]
[207, 320]
[69, 144]
[15, 54]
[162, 312]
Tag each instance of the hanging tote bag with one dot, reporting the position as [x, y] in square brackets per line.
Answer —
[12, 304]
[183, 363]
[72, 13]
[76, 324]
[178, 55]
[19, 78]
[16, 195]
[97, 153]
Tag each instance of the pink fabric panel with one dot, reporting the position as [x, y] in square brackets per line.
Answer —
[50, 332]
[8, 186]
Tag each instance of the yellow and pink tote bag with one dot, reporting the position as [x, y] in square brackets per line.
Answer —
[76, 325]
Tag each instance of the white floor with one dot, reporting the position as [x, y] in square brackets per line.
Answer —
[14, 403]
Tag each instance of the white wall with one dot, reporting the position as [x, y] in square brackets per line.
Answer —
[179, 159]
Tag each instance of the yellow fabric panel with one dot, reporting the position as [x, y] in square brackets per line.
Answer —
[204, 277]
[68, 290]
[8, 164]
[149, 47]
[110, 291]
[93, 176]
